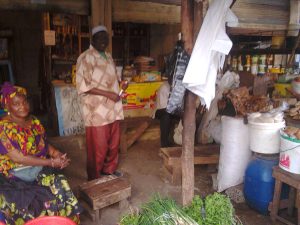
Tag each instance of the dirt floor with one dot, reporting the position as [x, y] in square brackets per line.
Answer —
[142, 165]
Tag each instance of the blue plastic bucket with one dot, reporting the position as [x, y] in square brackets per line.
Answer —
[259, 183]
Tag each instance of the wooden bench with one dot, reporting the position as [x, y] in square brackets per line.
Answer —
[203, 154]
[102, 192]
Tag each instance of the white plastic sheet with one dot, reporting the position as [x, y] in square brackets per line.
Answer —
[209, 51]
[235, 152]
[227, 81]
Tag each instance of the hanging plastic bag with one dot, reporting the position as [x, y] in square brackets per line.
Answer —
[175, 70]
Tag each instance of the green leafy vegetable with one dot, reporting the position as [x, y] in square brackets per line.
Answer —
[130, 219]
[164, 211]
[195, 209]
[218, 210]
[215, 209]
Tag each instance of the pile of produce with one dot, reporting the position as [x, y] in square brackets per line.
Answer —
[294, 112]
[215, 209]
[291, 132]
[244, 103]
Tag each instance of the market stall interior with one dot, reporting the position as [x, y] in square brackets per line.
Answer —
[238, 122]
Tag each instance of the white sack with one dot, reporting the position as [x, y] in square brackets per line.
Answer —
[215, 129]
[227, 81]
[235, 152]
[178, 134]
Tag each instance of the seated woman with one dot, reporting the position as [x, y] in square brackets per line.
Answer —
[30, 185]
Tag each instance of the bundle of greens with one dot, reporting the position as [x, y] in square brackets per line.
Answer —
[215, 209]
[130, 219]
[195, 210]
[159, 211]
[219, 210]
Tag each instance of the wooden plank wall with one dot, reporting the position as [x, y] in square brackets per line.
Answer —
[80, 7]
[145, 12]
[262, 14]
[25, 50]
[162, 41]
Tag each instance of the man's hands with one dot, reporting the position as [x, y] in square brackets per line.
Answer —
[124, 85]
[113, 96]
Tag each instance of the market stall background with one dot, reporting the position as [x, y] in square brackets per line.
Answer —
[271, 21]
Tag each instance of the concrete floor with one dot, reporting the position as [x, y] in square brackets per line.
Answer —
[143, 167]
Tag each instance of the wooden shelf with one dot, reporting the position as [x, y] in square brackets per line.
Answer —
[6, 33]
[63, 61]
[84, 35]
[262, 51]
[133, 40]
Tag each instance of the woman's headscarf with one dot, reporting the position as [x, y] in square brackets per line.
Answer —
[8, 91]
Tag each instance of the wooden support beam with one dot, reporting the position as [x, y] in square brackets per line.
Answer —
[189, 128]
[290, 61]
[79, 7]
[96, 12]
[145, 12]
[189, 117]
[102, 14]
[262, 14]
[168, 2]
[294, 23]
[198, 18]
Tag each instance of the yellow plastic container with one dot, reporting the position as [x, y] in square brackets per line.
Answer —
[274, 70]
[281, 89]
[73, 75]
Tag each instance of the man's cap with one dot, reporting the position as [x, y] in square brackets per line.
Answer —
[99, 29]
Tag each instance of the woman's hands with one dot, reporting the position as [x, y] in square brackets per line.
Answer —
[58, 159]
[60, 162]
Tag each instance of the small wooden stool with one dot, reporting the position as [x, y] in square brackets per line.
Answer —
[293, 180]
[103, 192]
[203, 154]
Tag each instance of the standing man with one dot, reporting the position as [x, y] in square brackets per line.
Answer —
[98, 87]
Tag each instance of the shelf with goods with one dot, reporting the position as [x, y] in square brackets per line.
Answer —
[129, 40]
[260, 62]
[72, 37]
[271, 70]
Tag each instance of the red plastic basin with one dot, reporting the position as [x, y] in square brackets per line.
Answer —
[50, 220]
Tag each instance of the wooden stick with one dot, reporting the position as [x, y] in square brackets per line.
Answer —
[294, 50]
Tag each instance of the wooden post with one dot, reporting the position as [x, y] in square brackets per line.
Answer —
[187, 24]
[96, 12]
[198, 18]
[102, 14]
[294, 25]
[292, 56]
[189, 117]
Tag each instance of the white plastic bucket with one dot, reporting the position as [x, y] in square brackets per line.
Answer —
[289, 154]
[265, 137]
